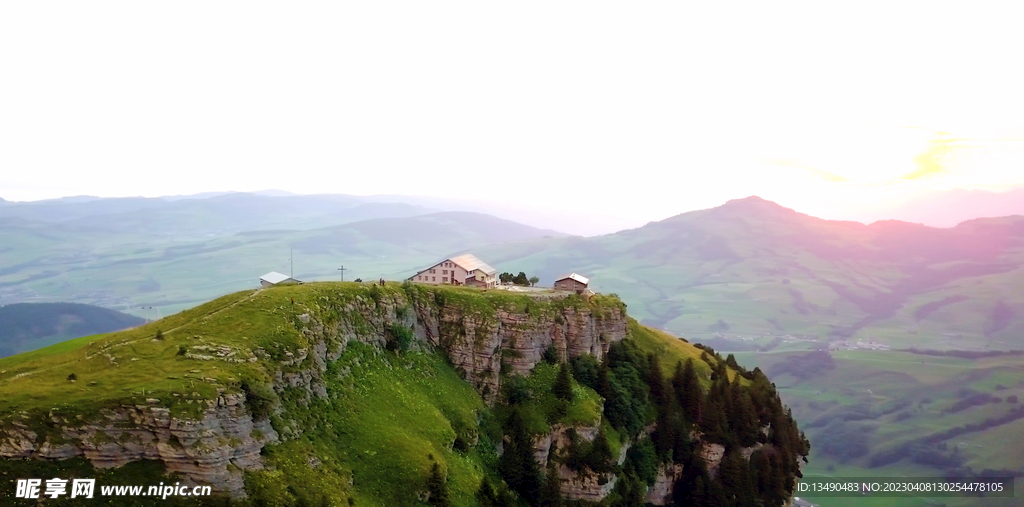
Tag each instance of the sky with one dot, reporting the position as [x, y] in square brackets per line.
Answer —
[626, 112]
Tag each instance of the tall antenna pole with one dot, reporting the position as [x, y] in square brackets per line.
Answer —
[342, 270]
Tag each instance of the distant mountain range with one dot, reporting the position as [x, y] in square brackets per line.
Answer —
[174, 255]
[277, 208]
[752, 267]
[29, 326]
[946, 209]
[218, 215]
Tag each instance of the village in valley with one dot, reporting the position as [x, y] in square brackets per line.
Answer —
[467, 270]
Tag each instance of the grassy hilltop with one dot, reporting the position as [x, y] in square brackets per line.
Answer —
[389, 415]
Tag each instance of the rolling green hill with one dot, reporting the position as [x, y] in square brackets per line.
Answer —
[345, 394]
[29, 326]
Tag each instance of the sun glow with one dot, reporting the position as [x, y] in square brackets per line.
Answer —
[877, 155]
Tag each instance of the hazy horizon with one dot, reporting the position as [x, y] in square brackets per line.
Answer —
[639, 112]
[927, 209]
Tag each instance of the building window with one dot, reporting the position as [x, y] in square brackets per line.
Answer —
[445, 272]
[433, 279]
[444, 279]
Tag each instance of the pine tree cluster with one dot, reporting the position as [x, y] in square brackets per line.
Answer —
[735, 408]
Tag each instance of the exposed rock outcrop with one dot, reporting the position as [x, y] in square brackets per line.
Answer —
[660, 493]
[588, 486]
[559, 438]
[478, 344]
[201, 449]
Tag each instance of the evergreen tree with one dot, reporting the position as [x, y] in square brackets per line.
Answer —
[489, 496]
[516, 464]
[730, 361]
[688, 391]
[766, 479]
[691, 489]
[600, 459]
[714, 495]
[551, 495]
[563, 384]
[550, 354]
[665, 432]
[485, 495]
[656, 381]
[714, 420]
[743, 422]
[585, 371]
[604, 384]
[438, 488]
[734, 477]
[630, 491]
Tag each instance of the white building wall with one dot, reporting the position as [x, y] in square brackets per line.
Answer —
[442, 271]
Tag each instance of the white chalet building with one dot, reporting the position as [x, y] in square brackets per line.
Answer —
[461, 270]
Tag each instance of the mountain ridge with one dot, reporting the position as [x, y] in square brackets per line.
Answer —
[28, 326]
[754, 241]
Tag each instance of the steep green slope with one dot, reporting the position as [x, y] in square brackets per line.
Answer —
[354, 392]
[28, 326]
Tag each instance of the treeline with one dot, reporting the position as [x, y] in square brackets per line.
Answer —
[964, 354]
[739, 413]
[668, 417]
[912, 448]
[804, 366]
[520, 279]
[739, 345]
[974, 400]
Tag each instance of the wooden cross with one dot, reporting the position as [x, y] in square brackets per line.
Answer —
[342, 270]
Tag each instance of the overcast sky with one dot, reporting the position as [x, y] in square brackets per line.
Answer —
[644, 109]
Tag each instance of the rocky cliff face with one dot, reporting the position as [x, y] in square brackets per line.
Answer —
[224, 440]
[594, 487]
[660, 492]
[201, 449]
[478, 344]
